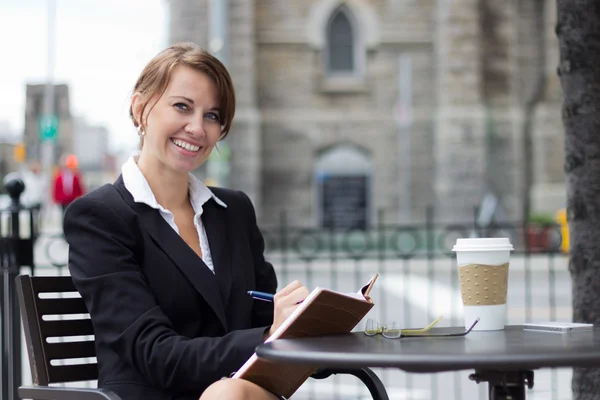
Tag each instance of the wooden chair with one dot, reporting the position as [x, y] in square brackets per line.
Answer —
[35, 303]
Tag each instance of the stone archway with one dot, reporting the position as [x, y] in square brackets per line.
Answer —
[343, 186]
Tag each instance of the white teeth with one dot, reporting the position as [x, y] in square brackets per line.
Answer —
[185, 145]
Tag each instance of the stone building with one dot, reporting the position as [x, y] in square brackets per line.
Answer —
[352, 109]
[8, 140]
[90, 145]
[7, 160]
[34, 103]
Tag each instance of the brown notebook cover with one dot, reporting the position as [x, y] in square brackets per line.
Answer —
[323, 312]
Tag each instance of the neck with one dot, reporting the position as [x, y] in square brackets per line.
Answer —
[170, 188]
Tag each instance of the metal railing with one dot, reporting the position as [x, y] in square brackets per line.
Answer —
[18, 233]
[418, 282]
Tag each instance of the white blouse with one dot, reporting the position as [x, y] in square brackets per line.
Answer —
[138, 186]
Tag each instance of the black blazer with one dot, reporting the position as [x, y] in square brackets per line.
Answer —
[165, 326]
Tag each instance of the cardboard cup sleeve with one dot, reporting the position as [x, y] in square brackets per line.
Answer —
[483, 285]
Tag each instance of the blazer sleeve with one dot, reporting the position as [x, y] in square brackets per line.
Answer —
[104, 265]
[266, 280]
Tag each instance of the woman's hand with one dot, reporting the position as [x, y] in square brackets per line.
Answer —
[285, 302]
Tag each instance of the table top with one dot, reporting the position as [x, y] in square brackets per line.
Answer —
[510, 349]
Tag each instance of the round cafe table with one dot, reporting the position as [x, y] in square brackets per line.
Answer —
[505, 359]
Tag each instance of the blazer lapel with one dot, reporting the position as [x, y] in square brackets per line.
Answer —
[179, 252]
[216, 225]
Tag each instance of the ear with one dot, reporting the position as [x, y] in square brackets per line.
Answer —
[136, 107]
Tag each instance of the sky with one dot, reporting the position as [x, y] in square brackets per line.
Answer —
[101, 47]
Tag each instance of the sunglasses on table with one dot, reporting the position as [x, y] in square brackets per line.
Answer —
[393, 331]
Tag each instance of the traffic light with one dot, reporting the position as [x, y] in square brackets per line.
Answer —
[20, 151]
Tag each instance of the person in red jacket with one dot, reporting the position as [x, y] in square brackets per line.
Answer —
[67, 183]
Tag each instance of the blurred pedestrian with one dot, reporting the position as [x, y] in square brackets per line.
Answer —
[36, 190]
[36, 187]
[67, 183]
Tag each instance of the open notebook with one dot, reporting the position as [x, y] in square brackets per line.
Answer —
[323, 312]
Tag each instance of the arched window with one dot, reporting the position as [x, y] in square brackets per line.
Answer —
[341, 42]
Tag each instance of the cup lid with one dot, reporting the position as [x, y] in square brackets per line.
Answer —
[482, 244]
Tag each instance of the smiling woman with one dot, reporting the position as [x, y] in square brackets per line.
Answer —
[163, 262]
[179, 128]
[159, 75]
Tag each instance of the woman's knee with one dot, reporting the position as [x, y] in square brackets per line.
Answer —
[236, 389]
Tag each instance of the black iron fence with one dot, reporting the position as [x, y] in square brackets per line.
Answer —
[431, 238]
[332, 257]
[18, 233]
[418, 282]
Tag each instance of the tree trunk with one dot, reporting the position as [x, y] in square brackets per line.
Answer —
[578, 31]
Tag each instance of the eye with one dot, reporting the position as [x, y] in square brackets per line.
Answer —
[213, 116]
[181, 106]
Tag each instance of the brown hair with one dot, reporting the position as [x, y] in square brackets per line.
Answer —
[155, 77]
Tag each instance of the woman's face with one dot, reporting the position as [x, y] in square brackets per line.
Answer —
[184, 125]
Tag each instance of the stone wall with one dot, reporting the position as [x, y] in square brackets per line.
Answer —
[188, 21]
[459, 125]
[245, 137]
[472, 63]
[301, 115]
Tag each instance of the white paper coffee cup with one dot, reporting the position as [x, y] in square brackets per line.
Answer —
[483, 274]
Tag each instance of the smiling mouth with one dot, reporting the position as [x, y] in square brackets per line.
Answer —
[185, 145]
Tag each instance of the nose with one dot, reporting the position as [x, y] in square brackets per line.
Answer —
[195, 126]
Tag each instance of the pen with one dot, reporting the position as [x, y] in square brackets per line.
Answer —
[261, 295]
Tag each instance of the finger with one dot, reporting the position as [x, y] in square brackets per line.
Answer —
[288, 289]
[296, 296]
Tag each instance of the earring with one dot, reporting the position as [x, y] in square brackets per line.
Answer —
[140, 131]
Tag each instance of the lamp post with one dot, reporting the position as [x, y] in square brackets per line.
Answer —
[15, 251]
[49, 121]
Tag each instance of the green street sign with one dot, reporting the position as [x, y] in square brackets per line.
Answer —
[48, 127]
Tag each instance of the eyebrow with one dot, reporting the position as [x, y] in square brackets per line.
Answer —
[183, 97]
[192, 102]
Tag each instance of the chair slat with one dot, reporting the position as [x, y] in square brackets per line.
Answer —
[31, 329]
[64, 350]
[52, 284]
[73, 305]
[68, 327]
[73, 373]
